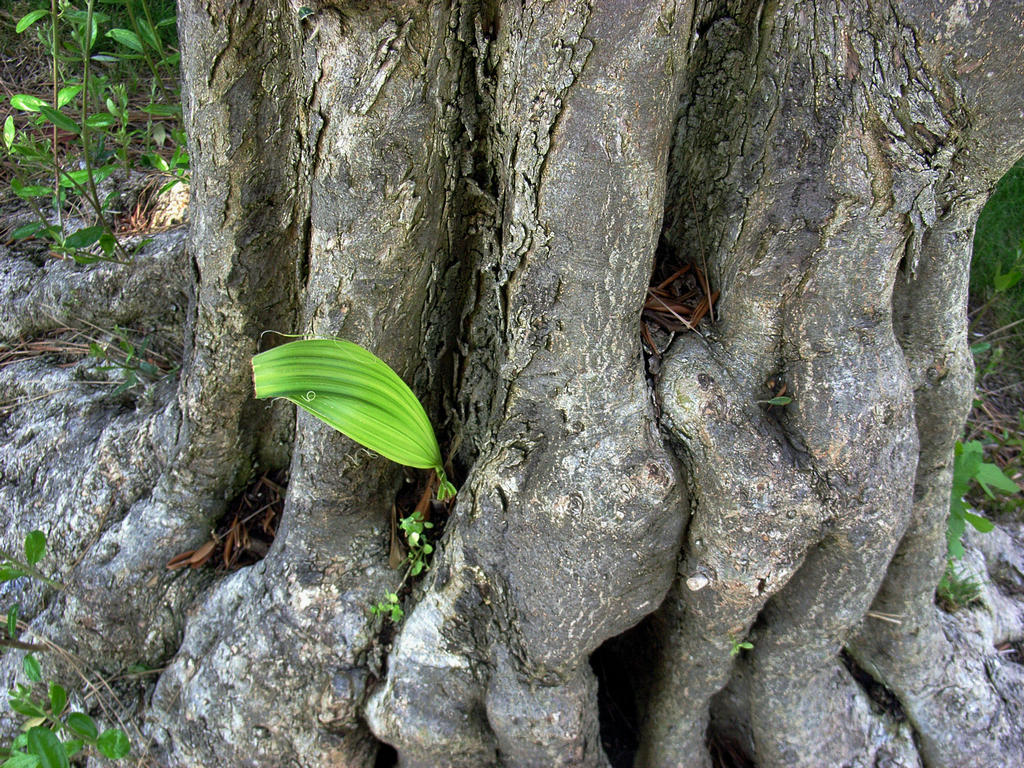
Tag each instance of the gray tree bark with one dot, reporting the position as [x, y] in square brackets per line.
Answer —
[478, 192]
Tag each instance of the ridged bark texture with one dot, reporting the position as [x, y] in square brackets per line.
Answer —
[846, 169]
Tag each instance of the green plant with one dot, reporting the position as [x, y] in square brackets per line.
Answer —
[969, 466]
[739, 645]
[12, 567]
[357, 393]
[390, 607]
[998, 264]
[957, 588]
[417, 559]
[132, 362]
[93, 109]
[51, 733]
[419, 548]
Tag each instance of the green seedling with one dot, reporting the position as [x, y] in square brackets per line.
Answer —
[739, 645]
[416, 561]
[419, 548]
[357, 393]
[389, 607]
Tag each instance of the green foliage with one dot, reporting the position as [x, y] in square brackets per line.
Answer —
[15, 567]
[969, 466]
[957, 589]
[420, 548]
[739, 645]
[357, 393]
[389, 607]
[998, 265]
[123, 356]
[51, 735]
[90, 106]
[414, 529]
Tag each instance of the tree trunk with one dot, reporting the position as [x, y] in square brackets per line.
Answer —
[479, 192]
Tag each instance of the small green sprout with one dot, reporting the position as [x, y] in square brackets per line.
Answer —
[738, 646]
[357, 393]
[389, 607]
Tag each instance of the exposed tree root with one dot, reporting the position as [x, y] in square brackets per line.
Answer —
[37, 298]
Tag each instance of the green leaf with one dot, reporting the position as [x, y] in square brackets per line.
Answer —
[44, 744]
[100, 120]
[85, 237]
[60, 119]
[26, 708]
[981, 524]
[58, 699]
[21, 760]
[31, 190]
[66, 94]
[9, 131]
[354, 391]
[35, 547]
[163, 110]
[107, 243]
[80, 178]
[955, 529]
[156, 161]
[130, 380]
[27, 230]
[12, 621]
[1004, 282]
[29, 19]
[83, 725]
[114, 744]
[990, 474]
[127, 38]
[149, 35]
[27, 103]
[781, 400]
[32, 669]
[968, 457]
[9, 573]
